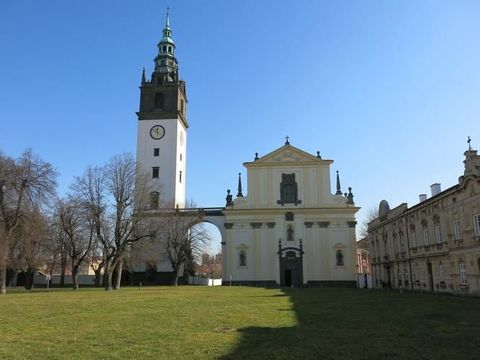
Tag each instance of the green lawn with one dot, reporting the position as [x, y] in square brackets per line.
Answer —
[237, 323]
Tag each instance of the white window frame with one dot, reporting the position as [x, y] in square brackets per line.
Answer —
[414, 238]
[441, 272]
[462, 270]
[476, 224]
[438, 234]
[425, 236]
[401, 239]
[456, 230]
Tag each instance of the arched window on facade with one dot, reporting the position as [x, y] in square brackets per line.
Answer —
[154, 200]
[242, 258]
[158, 101]
[339, 256]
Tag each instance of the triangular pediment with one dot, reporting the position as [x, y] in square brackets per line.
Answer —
[286, 154]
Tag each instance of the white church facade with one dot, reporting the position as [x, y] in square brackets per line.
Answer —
[289, 230]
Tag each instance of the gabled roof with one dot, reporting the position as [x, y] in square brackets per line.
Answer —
[287, 154]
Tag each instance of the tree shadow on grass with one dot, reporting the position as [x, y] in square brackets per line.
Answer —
[363, 324]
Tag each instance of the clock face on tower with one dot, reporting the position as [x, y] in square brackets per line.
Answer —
[157, 132]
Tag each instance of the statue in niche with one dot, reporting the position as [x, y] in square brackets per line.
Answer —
[339, 258]
[290, 233]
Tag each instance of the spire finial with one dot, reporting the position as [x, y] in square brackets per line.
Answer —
[167, 18]
[144, 78]
[286, 140]
[239, 185]
[469, 141]
[339, 191]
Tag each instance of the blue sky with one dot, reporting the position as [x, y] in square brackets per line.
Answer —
[387, 89]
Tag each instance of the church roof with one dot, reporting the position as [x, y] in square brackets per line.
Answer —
[287, 154]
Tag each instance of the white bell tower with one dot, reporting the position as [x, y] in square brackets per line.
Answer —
[162, 127]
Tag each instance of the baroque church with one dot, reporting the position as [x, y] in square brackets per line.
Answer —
[289, 230]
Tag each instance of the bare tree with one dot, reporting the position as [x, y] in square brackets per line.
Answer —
[78, 232]
[182, 238]
[25, 183]
[116, 200]
[27, 251]
[372, 214]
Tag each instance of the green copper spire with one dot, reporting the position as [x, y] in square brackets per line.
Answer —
[165, 62]
[167, 19]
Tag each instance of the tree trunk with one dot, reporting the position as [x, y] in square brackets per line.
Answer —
[107, 280]
[3, 280]
[98, 276]
[63, 266]
[176, 269]
[28, 279]
[75, 278]
[118, 271]
[4, 254]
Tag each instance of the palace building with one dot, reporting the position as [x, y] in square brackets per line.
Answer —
[435, 244]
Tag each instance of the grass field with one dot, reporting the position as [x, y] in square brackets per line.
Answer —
[237, 323]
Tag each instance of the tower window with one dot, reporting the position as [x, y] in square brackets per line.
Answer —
[155, 172]
[154, 200]
[181, 157]
[164, 48]
[169, 49]
[156, 151]
[158, 101]
[180, 177]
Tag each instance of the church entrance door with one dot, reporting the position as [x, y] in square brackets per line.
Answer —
[291, 269]
[288, 277]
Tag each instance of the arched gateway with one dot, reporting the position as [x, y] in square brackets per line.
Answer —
[289, 201]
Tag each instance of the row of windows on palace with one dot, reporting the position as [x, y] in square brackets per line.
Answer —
[419, 274]
[424, 240]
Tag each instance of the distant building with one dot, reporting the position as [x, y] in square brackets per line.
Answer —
[363, 257]
[211, 266]
[434, 245]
